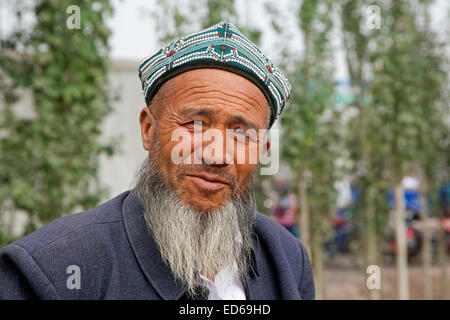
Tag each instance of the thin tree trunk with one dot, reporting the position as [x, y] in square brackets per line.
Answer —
[426, 247]
[442, 256]
[304, 212]
[317, 264]
[372, 247]
[402, 250]
[10, 219]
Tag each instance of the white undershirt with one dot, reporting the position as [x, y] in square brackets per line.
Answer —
[227, 284]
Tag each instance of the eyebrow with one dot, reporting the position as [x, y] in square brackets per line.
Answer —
[248, 124]
[196, 112]
[206, 112]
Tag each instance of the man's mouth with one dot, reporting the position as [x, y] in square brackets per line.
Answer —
[208, 181]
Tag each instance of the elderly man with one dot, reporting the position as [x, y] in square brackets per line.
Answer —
[188, 229]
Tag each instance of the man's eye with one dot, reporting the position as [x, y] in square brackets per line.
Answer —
[249, 134]
[240, 131]
[192, 124]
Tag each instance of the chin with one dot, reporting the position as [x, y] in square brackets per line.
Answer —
[204, 205]
[204, 200]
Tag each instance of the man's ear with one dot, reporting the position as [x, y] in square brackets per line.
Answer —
[146, 120]
[266, 148]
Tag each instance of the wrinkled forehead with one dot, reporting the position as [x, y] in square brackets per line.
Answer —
[221, 89]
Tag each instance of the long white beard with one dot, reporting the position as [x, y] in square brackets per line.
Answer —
[190, 240]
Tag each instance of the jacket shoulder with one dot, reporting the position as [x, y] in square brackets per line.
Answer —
[275, 230]
[107, 212]
[290, 255]
[37, 265]
[279, 239]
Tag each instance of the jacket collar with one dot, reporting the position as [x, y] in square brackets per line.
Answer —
[149, 257]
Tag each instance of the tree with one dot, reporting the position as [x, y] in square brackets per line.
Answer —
[177, 19]
[366, 150]
[407, 91]
[432, 135]
[309, 128]
[49, 162]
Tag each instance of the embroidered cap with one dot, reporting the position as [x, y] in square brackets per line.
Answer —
[221, 46]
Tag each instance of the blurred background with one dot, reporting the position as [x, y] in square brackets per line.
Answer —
[364, 179]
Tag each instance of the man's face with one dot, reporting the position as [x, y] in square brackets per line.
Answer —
[219, 100]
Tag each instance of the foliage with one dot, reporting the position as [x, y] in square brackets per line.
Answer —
[309, 123]
[49, 162]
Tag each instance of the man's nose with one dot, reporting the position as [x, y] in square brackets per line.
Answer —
[214, 149]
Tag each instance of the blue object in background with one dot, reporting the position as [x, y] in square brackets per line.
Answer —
[355, 195]
[412, 200]
[444, 198]
[342, 213]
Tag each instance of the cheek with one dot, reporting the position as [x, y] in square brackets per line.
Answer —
[178, 147]
[167, 164]
[247, 154]
[244, 174]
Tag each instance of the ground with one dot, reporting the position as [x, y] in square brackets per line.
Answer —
[344, 281]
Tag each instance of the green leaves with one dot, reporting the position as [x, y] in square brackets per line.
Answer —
[48, 164]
